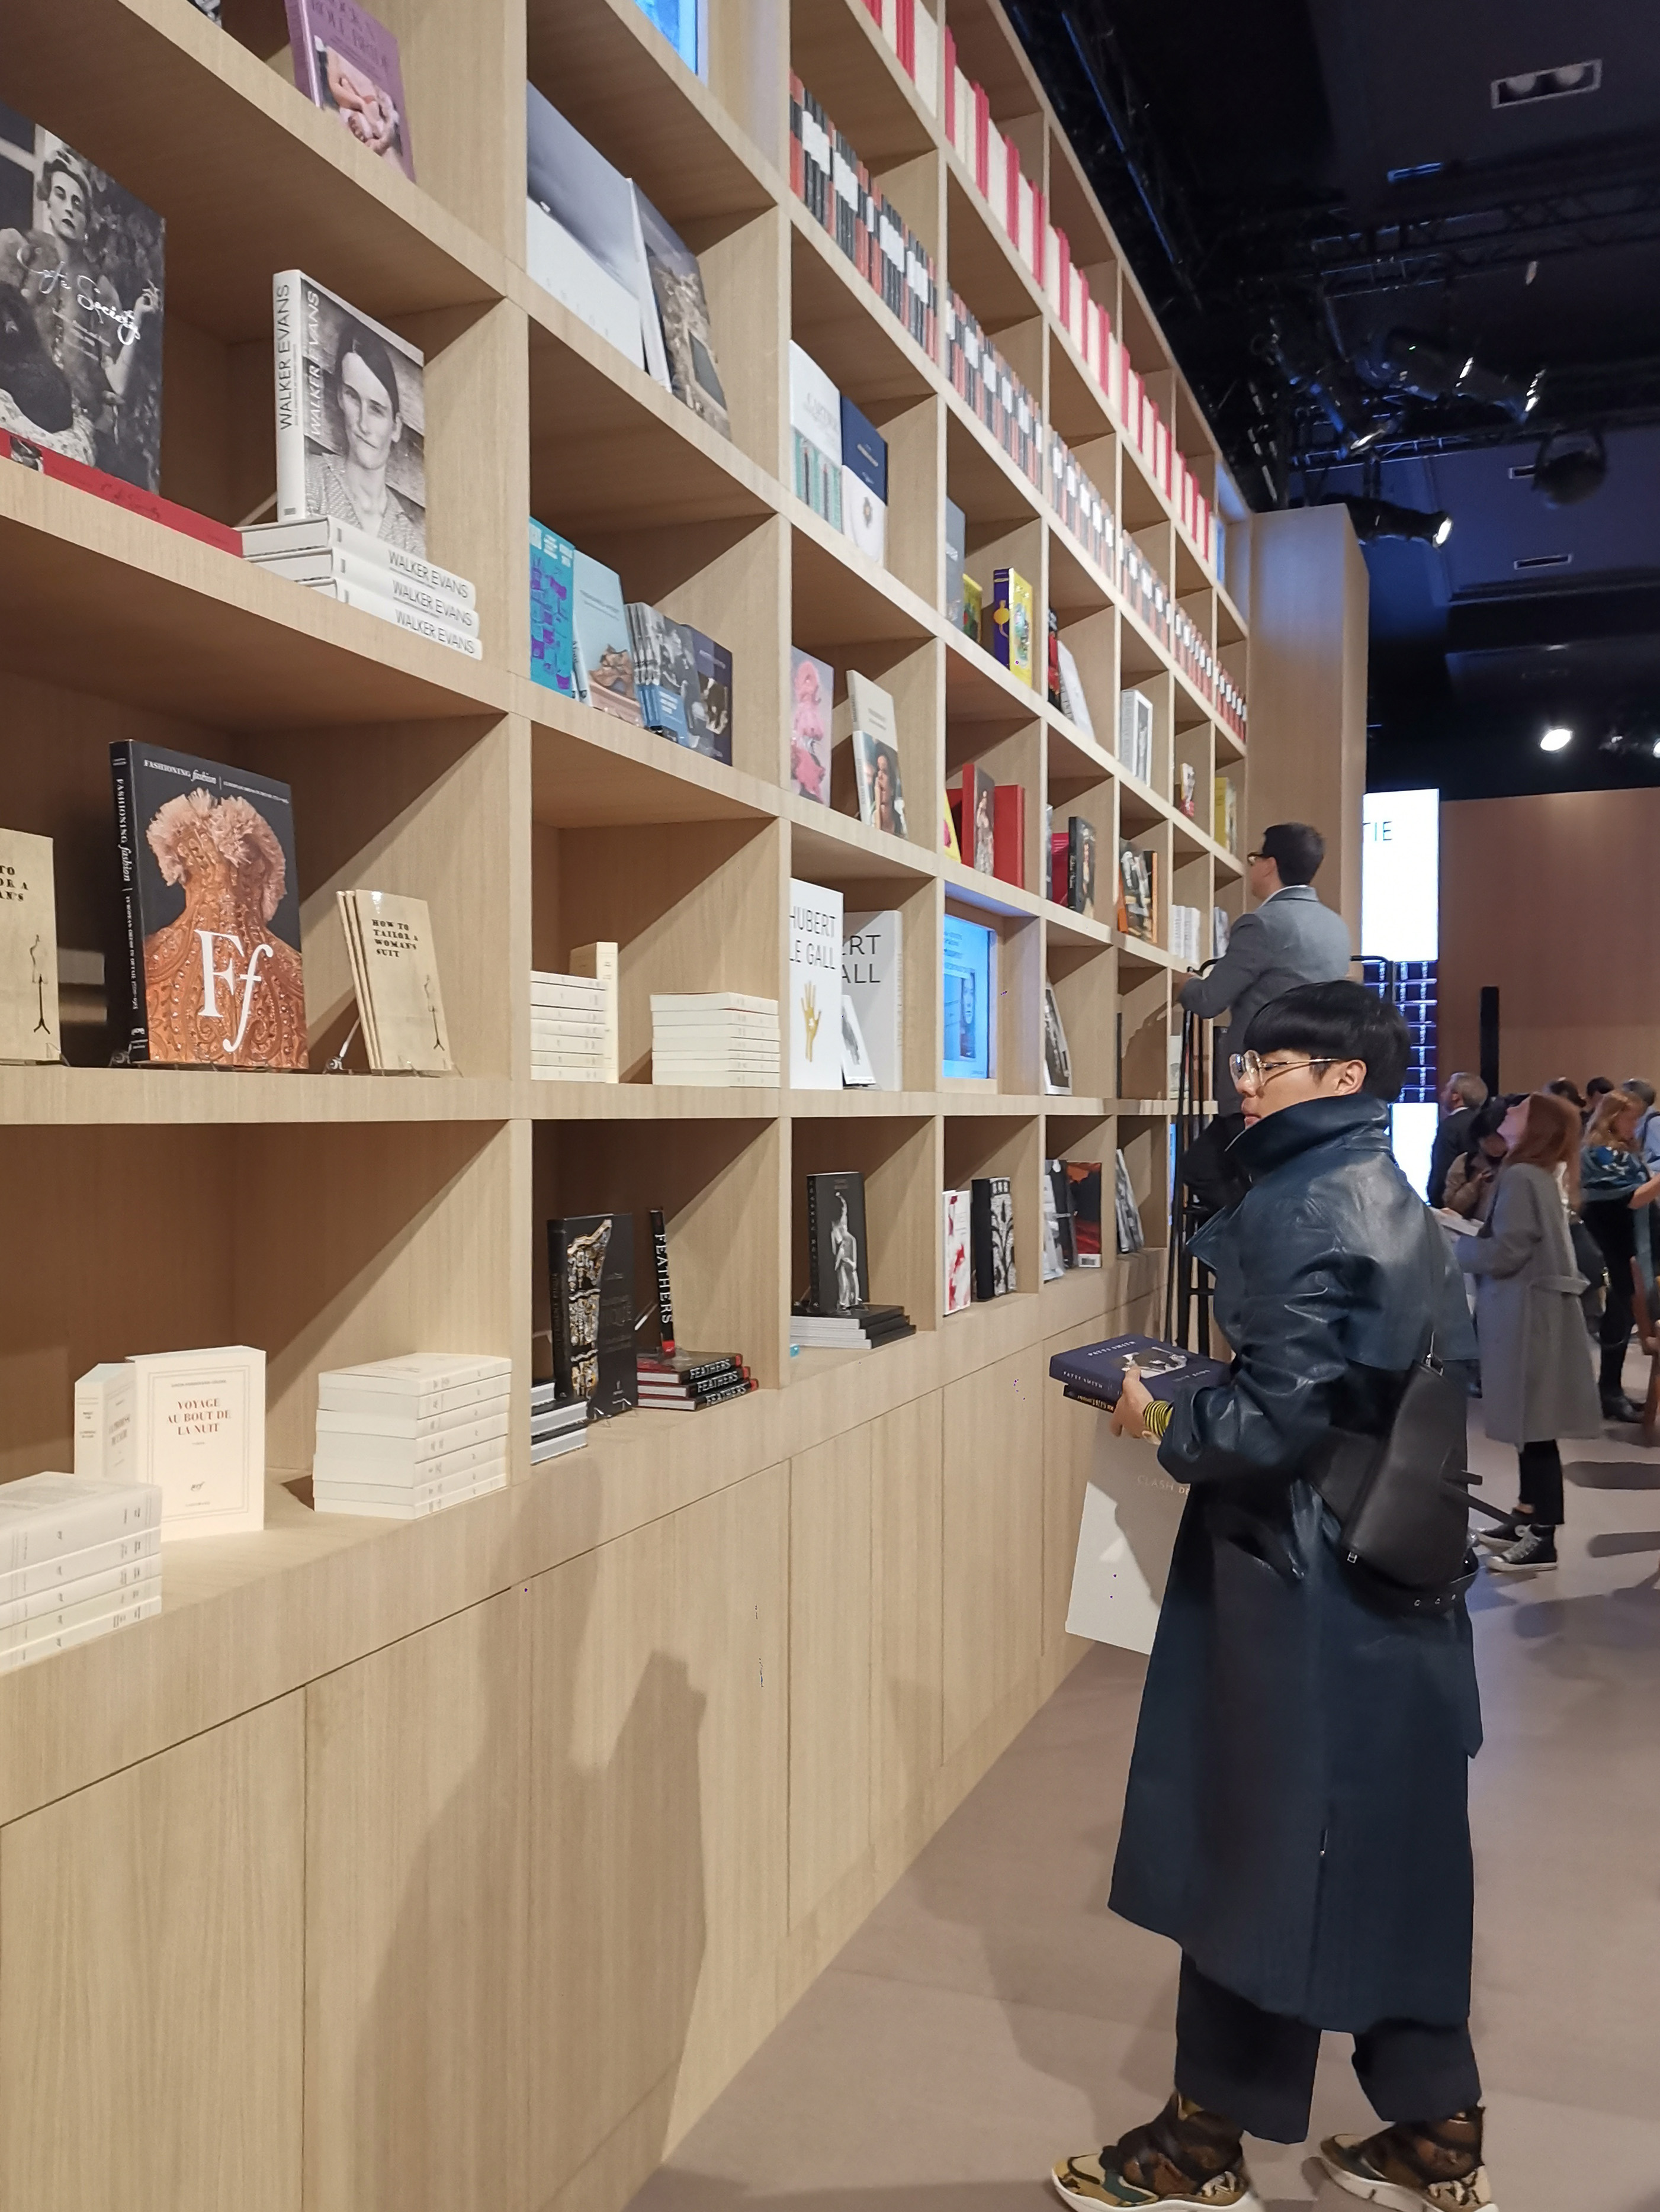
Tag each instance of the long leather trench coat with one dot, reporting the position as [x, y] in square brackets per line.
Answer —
[1297, 1813]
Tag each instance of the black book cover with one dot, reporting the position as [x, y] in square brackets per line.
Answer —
[837, 1250]
[991, 1227]
[727, 1384]
[1083, 1179]
[887, 1332]
[708, 710]
[591, 1292]
[690, 1366]
[210, 955]
[1080, 864]
[659, 1256]
[1060, 1192]
[685, 1404]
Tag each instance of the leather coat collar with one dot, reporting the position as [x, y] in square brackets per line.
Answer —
[1277, 1138]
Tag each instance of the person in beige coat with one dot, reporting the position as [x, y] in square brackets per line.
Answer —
[1536, 1380]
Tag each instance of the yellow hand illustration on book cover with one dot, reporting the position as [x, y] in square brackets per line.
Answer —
[811, 1017]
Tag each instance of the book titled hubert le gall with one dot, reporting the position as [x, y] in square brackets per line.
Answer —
[28, 949]
[212, 915]
[815, 987]
[395, 971]
[350, 417]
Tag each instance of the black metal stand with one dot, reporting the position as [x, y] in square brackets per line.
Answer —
[1187, 1280]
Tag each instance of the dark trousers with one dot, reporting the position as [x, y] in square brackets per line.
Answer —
[1257, 2068]
[1540, 1486]
[1612, 1223]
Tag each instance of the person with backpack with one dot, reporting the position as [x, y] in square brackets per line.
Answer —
[1296, 1818]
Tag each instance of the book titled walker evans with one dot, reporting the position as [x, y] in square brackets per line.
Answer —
[591, 1294]
[212, 915]
[346, 63]
[350, 417]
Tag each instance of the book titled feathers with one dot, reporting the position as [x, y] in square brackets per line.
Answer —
[212, 915]
[395, 970]
[591, 1293]
[346, 63]
[28, 949]
[350, 417]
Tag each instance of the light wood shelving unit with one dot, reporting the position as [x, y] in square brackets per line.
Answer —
[461, 1863]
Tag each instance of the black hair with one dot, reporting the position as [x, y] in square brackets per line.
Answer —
[1488, 1119]
[1337, 1021]
[1296, 849]
[374, 358]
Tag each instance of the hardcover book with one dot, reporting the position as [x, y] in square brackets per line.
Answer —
[1011, 621]
[395, 969]
[863, 483]
[881, 789]
[1127, 1212]
[1052, 1262]
[597, 963]
[584, 242]
[973, 614]
[28, 949]
[815, 985]
[1137, 889]
[350, 417]
[816, 436]
[957, 1272]
[1052, 662]
[1220, 930]
[335, 565]
[198, 1433]
[992, 1222]
[837, 1252]
[956, 553]
[552, 561]
[1224, 826]
[1060, 1206]
[602, 660]
[212, 914]
[1135, 734]
[1009, 833]
[856, 1072]
[1084, 1179]
[1080, 864]
[873, 984]
[1057, 1060]
[709, 708]
[267, 542]
[101, 485]
[1096, 1372]
[948, 839]
[979, 827]
[665, 670]
[660, 1263]
[969, 961]
[591, 1296]
[346, 63]
[683, 311]
[812, 688]
[81, 303]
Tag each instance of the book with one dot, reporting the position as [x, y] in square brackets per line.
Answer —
[1135, 734]
[957, 1273]
[1009, 833]
[266, 541]
[1187, 789]
[658, 1387]
[969, 965]
[1137, 882]
[682, 1367]
[1095, 1372]
[1052, 661]
[584, 241]
[991, 1215]
[948, 840]
[14, 446]
[103, 1422]
[599, 964]
[552, 561]
[979, 823]
[1220, 930]
[335, 565]
[46, 1519]
[199, 1434]
[28, 950]
[350, 417]
[82, 301]
[838, 1254]
[1052, 1258]
[117, 1562]
[591, 1295]
[1080, 864]
[709, 708]
[1060, 1210]
[1011, 621]
[1083, 1182]
[542, 1449]
[395, 969]
[863, 483]
[873, 985]
[1224, 826]
[856, 1073]
[956, 553]
[1057, 1059]
[881, 788]
[683, 313]
[1126, 1213]
[815, 436]
[973, 615]
[387, 1450]
[602, 659]
[692, 1402]
[665, 670]
[815, 988]
[659, 1264]
[812, 690]
[346, 63]
[212, 914]
[376, 602]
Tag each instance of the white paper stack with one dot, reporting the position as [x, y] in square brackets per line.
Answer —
[715, 1038]
[78, 1557]
[557, 1424]
[400, 1437]
[344, 563]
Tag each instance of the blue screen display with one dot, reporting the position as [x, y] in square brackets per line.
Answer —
[969, 962]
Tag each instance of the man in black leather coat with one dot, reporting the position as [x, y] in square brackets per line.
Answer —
[1296, 1818]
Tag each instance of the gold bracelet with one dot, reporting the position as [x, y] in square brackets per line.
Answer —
[1155, 1417]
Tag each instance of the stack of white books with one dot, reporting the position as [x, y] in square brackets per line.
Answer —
[573, 1020]
[79, 1557]
[344, 563]
[399, 1438]
[1185, 922]
[557, 1425]
[718, 1038]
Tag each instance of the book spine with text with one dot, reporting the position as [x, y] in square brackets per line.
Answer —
[129, 1009]
[287, 306]
[659, 1254]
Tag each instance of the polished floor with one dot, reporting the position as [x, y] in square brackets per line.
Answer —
[992, 2014]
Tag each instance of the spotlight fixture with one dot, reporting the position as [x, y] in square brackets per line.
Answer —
[1424, 367]
[1382, 517]
[1528, 85]
[1571, 466]
[1554, 739]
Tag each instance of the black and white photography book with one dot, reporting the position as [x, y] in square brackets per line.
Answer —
[1057, 1060]
[80, 307]
[350, 417]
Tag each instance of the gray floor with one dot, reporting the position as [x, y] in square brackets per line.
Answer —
[991, 2014]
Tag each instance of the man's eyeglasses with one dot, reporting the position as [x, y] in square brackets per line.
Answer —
[1250, 1071]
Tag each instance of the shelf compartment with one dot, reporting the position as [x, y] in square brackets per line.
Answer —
[987, 273]
[590, 771]
[981, 690]
[896, 1154]
[1004, 1145]
[828, 847]
[843, 324]
[842, 59]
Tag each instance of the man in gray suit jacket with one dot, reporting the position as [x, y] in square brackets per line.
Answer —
[1291, 939]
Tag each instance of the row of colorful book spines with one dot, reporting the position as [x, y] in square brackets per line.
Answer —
[991, 391]
[912, 34]
[836, 189]
[1020, 207]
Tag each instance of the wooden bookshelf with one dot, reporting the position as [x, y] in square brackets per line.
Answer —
[516, 1829]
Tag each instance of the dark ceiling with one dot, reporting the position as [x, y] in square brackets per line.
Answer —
[1334, 207]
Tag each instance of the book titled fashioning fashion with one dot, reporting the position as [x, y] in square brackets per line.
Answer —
[350, 417]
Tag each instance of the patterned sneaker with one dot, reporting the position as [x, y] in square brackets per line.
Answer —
[1187, 2160]
[1433, 2167]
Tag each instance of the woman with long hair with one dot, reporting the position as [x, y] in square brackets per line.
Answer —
[1535, 1373]
[1616, 1190]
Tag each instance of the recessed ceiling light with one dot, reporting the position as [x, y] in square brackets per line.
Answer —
[1529, 85]
[1553, 740]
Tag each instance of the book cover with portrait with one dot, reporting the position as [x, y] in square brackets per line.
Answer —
[350, 417]
[346, 63]
[80, 307]
[211, 897]
[838, 1251]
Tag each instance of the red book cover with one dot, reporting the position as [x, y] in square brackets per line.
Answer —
[1039, 235]
[954, 800]
[133, 497]
[1059, 865]
[1009, 834]
[1011, 201]
[950, 88]
[797, 177]
[1063, 255]
[982, 142]
[905, 36]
